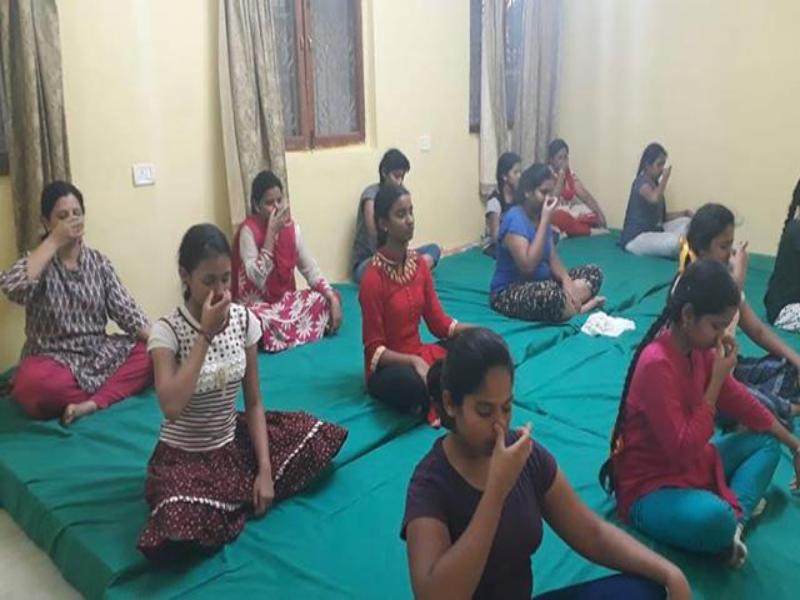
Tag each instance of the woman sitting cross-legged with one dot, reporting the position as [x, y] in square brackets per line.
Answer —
[530, 282]
[397, 291]
[70, 366]
[267, 248]
[214, 466]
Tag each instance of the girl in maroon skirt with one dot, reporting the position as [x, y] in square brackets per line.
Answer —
[213, 466]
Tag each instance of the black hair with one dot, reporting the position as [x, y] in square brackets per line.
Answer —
[393, 160]
[531, 179]
[51, 194]
[199, 243]
[556, 146]
[650, 155]
[384, 200]
[505, 163]
[710, 289]
[708, 222]
[266, 180]
[793, 206]
[469, 357]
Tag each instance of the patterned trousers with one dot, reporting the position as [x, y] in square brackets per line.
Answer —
[542, 300]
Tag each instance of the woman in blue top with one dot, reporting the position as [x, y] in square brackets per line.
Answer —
[530, 282]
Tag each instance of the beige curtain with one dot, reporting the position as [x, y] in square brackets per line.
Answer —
[536, 104]
[33, 101]
[494, 123]
[250, 95]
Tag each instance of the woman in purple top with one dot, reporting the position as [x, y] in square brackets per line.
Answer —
[476, 501]
[530, 282]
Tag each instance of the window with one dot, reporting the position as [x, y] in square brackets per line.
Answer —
[513, 53]
[320, 66]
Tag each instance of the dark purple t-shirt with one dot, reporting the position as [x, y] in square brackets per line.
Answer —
[439, 492]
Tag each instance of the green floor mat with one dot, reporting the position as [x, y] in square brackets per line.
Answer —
[78, 492]
[627, 278]
[578, 382]
[296, 545]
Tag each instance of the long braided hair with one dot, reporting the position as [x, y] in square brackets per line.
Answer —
[710, 289]
[793, 206]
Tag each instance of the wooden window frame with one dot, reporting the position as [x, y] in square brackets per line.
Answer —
[307, 139]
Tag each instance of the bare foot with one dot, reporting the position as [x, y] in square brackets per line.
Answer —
[596, 302]
[459, 249]
[73, 412]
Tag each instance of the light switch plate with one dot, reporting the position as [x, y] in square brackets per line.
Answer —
[144, 174]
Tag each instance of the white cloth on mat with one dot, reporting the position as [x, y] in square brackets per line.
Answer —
[600, 323]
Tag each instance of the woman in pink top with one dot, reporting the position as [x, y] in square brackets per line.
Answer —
[672, 481]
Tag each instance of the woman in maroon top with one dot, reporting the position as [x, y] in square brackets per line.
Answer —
[396, 291]
[475, 503]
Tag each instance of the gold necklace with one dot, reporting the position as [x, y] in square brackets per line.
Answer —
[399, 272]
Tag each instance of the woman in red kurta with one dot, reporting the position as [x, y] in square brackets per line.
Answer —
[396, 291]
[267, 248]
[578, 213]
[672, 481]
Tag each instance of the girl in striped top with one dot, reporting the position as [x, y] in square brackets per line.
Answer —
[213, 465]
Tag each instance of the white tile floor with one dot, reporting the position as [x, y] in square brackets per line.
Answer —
[25, 571]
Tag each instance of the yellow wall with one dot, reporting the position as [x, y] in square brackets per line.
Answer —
[140, 82]
[717, 82]
[416, 84]
[12, 317]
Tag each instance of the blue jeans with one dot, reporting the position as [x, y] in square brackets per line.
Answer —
[627, 587]
[699, 520]
[432, 250]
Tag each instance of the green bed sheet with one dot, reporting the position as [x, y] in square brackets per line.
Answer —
[78, 492]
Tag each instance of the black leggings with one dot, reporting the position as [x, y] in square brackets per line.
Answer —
[400, 387]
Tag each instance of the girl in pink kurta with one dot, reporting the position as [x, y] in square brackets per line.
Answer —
[672, 480]
[267, 248]
[70, 366]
